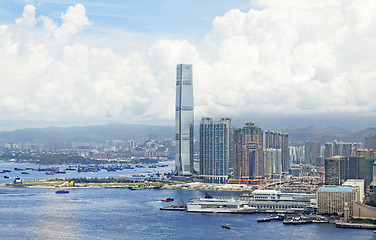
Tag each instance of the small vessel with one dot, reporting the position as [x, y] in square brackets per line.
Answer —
[6, 176]
[226, 226]
[267, 219]
[149, 171]
[17, 180]
[71, 168]
[167, 199]
[24, 172]
[135, 188]
[61, 172]
[139, 165]
[62, 191]
[6, 170]
[50, 173]
[128, 166]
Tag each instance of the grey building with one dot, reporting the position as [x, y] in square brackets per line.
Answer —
[184, 120]
[335, 170]
[279, 140]
[370, 142]
[311, 152]
[215, 149]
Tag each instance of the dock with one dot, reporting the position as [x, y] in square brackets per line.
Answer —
[355, 225]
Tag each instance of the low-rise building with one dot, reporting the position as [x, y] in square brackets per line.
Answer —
[331, 200]
[356, 183]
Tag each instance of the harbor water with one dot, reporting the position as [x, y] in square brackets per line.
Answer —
[33, 213]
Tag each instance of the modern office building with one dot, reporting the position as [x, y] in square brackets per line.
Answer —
[215, 149]
[335, 170]
[184, 120]
[248, 152]
[339, 168]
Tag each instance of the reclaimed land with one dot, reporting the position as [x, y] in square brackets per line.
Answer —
[87, 183]
[124, 183]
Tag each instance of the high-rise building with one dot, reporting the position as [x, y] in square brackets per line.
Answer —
[215, 149]
[248, 152]
[312, 152]
[370, 142]
[278, 140]
[272, 162]
[184, 120]
[296, 154]
[339, 168]
[335, 170]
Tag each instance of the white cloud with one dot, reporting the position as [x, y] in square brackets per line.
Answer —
[290, 58]
[74, 20]
[28, 17]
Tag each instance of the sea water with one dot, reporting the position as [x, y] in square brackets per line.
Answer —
[33, 213]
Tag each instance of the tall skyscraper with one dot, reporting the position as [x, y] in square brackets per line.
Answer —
[215, 149]
[248, 152]
[278, 140]
[184, 120]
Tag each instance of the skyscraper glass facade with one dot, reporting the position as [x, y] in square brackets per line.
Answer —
[184, 120]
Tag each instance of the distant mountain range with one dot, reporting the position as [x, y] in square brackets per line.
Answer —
[329, 134]
[87, 134]
[118, 131]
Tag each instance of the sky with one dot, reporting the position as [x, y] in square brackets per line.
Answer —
[281, 64]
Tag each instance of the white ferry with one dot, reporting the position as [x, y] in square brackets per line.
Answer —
[217, 205]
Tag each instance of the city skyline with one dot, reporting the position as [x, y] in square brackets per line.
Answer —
[68, 64]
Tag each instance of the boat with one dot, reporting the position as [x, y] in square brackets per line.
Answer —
[61, 172]
[153, 165]
[50, 173]
[139, 165]
[128, 166]
[208, 204]
[24, 172]
[226, 226]
[6, 170]
[267, 219]
[6, 176]
[71, 168]
[17, 180]
[167, 199]
[62, 191]
[135, 188]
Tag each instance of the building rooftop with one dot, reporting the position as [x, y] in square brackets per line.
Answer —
[336, 189]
